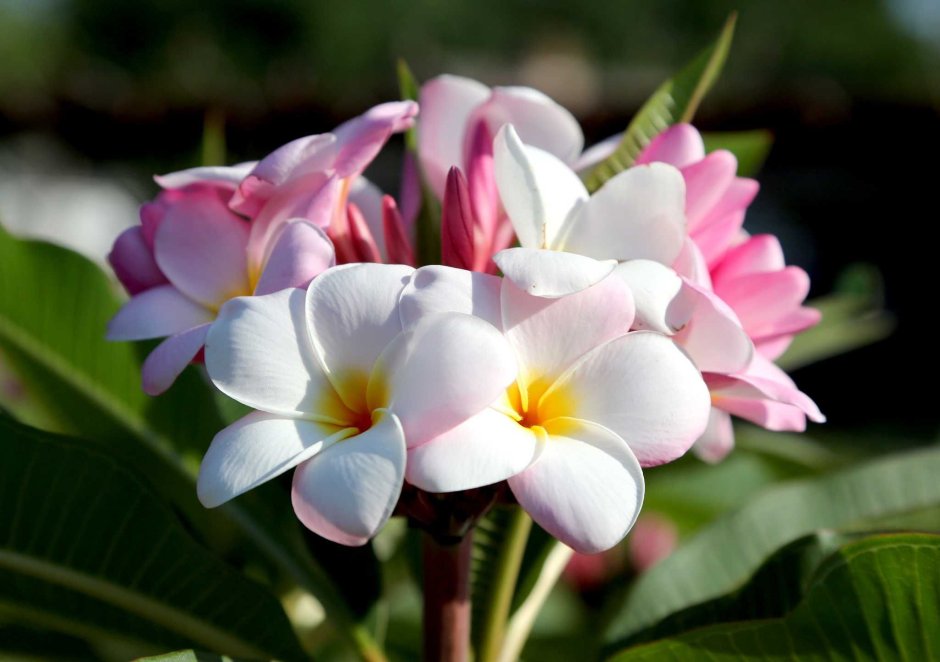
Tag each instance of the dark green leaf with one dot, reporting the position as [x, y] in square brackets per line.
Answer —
[673, 102]
[750, 148]
[852, 317]
[89, 549]
[187, 656]
[54, 307]
[877, 598]
[722, 555]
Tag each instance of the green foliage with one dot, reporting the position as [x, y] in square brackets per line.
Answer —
[750, 148]
[54, 307]
[877, 598]
[673, 102]
[88, 548]
[852, 317]
[725, 553]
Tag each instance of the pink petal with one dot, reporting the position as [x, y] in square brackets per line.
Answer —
[457, 223]
[301, 252]
[680, 145]
[170, 358]
[764, 301]
[410, 192]
[585, 488]
[289, 162]
[133, 263]
[485, 449]
[397, 245]
[758, 253]
[200, 246]
[368, 199]
[446, 105]
[223, 177]
[717, 230]
[481, 181]
[714, 337]
[706, 182]
[157, 312]
[360, 139]
[347, 492]
[362, 242]
[717, 440]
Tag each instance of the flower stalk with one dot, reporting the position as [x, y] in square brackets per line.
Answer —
[447, 599]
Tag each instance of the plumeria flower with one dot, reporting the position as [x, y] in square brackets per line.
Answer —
[340, 391]
[750, 276]
[592, 404]
[314, 177]
[459, 118]
[189, 256]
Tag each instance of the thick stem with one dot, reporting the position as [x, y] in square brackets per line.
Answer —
[447, 600]
[504, 586]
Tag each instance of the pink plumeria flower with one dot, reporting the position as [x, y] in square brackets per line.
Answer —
[750, 276]
[459, 118]
[341, 391]
[592, 404]
[314, 177]
[189, 256]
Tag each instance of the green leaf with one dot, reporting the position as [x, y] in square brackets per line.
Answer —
[187, 656]
[750, 148]
[722, 555]
[852, 317]
[877, 598]
[54, 308]
[213, 137]
[675, 101]
[408, 89]
[89, 549]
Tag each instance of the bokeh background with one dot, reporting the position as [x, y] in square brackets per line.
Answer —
[97, 95]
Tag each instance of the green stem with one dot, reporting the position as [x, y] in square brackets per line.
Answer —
[504, 586]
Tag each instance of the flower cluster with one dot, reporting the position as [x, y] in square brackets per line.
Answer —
[625, 328]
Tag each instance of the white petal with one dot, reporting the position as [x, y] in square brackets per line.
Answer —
[352, 314]
[222, 176]
[347, 492]
[439, 289]
[157, 312]
[549, 335]
[643, 388]
[485, 449]
[440, 372]
[586, 487]
[256, 449]
[538, 191]
[662, 304]
[539, 120]
[258, 353]
[547, 273]
[637, 214]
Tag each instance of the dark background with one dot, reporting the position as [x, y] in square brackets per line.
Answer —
[116, 91]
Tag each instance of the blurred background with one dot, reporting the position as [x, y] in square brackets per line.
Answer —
[97, 95]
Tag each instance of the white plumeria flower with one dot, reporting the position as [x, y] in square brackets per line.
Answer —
[569, 239]
[340, 392]
[592, 404]
[633, 226]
